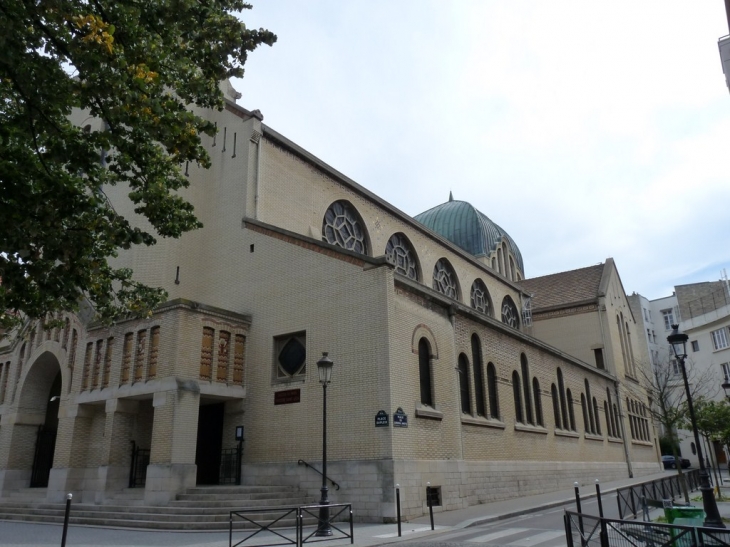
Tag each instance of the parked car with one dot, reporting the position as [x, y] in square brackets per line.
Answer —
[670, 463]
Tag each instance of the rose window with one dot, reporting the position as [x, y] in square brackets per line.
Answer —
[509, 313]
[480, 297]
[444, 279]
[342, 227]
[399, 252]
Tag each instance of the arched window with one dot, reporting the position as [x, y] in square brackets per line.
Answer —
[609, 431]
[556, 407]
[424, 371]
[618, 423]
[492, 390]
[619, 324]
[693, 446]
[610, 418]
[563, 404]
[500, 260]
[516, 393]
[629, 408]
[464, 384]
[538, 402]
[584, 407]
[595, 414]
[509, 313]
[571, 412]
[526, 388]
[630, 352]
[400, 253]
[476, 357]
[480, 299]
[512, 269]
[591, 416]
[342, 226]
[444, 279]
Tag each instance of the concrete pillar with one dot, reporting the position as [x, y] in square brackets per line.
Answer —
[18, 434]
[70, 459]
[172, 467]
[113, 473]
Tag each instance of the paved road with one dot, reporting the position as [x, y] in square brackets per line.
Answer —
[541, 529]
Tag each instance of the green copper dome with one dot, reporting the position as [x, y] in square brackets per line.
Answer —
[466, 227]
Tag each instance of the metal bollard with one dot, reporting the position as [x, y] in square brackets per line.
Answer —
[397, 506]
[69, 497]
[430, 505]
[580, 514]
[604, 529]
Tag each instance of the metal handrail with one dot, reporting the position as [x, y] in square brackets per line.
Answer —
[300, 462]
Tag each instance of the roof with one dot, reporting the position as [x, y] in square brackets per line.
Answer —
[564, 288]
[465, 226]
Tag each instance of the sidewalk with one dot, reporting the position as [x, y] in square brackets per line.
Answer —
[21, 534]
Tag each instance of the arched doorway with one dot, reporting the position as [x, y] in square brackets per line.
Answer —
[45, 445]
[38, 407]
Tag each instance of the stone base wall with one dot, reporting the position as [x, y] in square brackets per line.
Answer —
[13, 479]
[370, 485]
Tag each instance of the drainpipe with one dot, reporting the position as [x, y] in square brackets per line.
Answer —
[623, 429]
[256, 138]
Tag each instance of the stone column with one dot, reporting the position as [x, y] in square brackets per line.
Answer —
[113, 473]
[172, 467]
[69, 461]
[18, 434]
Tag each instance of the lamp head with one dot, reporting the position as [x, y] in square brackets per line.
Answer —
[324, 367]
[678, 341]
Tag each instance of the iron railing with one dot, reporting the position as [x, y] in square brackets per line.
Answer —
[583, 530]
[138, 466]
[280, 526]
[302, 462]
[230, 469]
[629, 499]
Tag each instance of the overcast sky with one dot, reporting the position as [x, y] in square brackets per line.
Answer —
[585, 129]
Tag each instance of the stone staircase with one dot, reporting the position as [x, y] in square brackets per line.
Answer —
[200, 508]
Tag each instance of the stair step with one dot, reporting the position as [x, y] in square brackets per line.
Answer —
[199, 508]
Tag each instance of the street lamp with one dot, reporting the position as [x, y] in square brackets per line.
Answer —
[678, 341]
[324, 367]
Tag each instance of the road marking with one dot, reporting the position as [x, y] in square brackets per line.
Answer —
[410, 531]
[539, 538]
[497, 535]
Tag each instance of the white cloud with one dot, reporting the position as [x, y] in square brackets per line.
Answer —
[585, 130]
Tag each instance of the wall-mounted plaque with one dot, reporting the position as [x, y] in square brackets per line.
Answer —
[400, 418]
[287, 397]
[381, 419]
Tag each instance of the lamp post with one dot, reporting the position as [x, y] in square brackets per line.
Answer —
[678, 341]
[324, 367]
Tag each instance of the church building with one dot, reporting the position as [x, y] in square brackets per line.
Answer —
[447, 370]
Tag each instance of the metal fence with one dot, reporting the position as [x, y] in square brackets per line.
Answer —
[591, 531]
[280, 523]
[230, 468]
[138, 466]
[629, 499]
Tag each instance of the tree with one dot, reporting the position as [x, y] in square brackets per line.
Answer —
[664, 387]
[713, 423]
[137, 66]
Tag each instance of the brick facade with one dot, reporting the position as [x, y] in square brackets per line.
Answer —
[259, 274]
